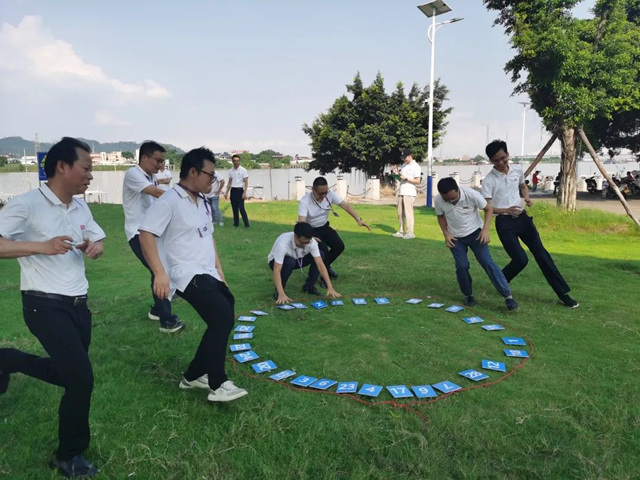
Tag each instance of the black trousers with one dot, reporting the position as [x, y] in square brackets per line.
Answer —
[332, 245]
[510, 231]
[214, 302]
[161, 307]
[290, 264]
[237, 205]
[64, 331]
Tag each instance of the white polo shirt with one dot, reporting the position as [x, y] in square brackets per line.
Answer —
[237, 176]
[163, 175]
[186, 232]
[39, 216]
[411, 171]
[134, 202]
[317, 213]
[215, 186]
[463, 218]
[285, 245]
[504, 188]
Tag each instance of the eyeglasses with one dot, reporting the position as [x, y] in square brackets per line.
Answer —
[212, 175]
[158, 160]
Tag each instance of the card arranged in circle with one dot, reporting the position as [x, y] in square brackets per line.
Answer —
[240, 347]
[447, 386]
[454, 308]
[266, 366]
[382, 301]
[359, 301]
[319, 304]
[516, 353]
[513, 341]
[472, 320]
[244, 328]
[246, 356]
[337, 303]
[414, 301]
[370, 390]
[474, 375]
[399, 391]
[347, 387]
[323, 384]
[493, 365]
[245, 318]
[492, 328]
[303, 381]
[260, 313]
[242, 336]
[424, 391]
[286, 307]
[282, 375]
[299, 305]
[435, 305]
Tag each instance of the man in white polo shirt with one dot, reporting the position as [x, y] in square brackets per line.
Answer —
[139, 190]
[182, 219]
[164, 177]
[239, 186]
[502, 188]
[410, 177]
[314, 208]
[213, 197]
[462, 227]
[296, 250]
[49, 231]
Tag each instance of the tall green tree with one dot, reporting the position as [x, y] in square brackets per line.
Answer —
[367, 128]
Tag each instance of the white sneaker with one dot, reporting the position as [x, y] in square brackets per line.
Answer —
[200, 382]
[409, 236]
[226, 392]
[398, 235]
[152, 316]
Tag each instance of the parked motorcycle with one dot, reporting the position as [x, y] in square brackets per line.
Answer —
[592, 185]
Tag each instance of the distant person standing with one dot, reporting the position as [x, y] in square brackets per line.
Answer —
[49, 231]
[139, 191]
[406, 195]
[164, 177]
[535, 180]
[213, 197]
[502, 188]
[239, 186]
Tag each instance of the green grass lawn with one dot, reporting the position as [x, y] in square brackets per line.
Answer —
[572, 411]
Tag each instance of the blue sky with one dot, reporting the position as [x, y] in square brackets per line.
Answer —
[240, 74]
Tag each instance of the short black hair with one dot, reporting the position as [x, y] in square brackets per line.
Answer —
[195, 159]
[148, 147]
[235, 156]
[320, 182]
[494, 147]
[406, 152]
[303, 229]
[446, 185]
[63, 151]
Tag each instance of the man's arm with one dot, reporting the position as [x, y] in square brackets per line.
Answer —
[325, 276]
[220, 188]
[226, 194]
[524, 191]
[349, 209]
[449, 240]
[484, 237]
[153, 190]
[246, 188]
[514, 210]
[55, 246]
[277, 279]
[218, 264]
[150, 252]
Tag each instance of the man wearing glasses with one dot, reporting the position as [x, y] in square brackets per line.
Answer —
[139, 190]
[314, 209]
[182, 220]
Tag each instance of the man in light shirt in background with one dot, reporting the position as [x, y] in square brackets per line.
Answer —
[410, 177]
[213, 197]
[239, 186]
[164, 177]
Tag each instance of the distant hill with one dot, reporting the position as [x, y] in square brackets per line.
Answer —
[16, 146]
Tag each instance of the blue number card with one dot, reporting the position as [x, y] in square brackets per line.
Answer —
[286, 307]
[299, 305]
[472, 320]
[359, 301]
[493, 365]
[454, 308]
[447, 386]
[242, 336]
[245, 318]
[516, 353]
[399, 391]
[260, 313]
[382, 301]
[424, 391]
[337, 303]
[370, 390]
[244, 328]
[246, 356]
[264, 366]
[474, 375]
[240, 347]
[513, 341]
[347, 387]
[414, 301]
[319, 304]
[492, 328]
[323, 384]
[303, 381]
[282, 375]
[435, 305]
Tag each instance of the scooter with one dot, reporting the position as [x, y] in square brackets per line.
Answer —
[592, 185]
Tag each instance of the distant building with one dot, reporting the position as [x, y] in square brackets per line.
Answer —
[298, 161]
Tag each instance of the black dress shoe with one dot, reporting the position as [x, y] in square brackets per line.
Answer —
[4, 382]
[77, 467]
[311, 290]
[332, 272]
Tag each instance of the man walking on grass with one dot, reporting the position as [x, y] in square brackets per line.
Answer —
[239, 186]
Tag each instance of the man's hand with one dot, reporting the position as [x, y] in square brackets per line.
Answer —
[449, 240]
[362, 224]
[91, 249]
[528, 202]
[57, 245]
[483, 238]
[514, 210]
[161, 286]
[332, 293]
[244, 195]
[282, 299]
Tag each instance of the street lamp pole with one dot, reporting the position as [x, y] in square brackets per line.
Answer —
[524, 118]
[432, 10]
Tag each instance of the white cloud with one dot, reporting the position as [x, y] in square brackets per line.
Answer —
[32, 49]
[106, 118]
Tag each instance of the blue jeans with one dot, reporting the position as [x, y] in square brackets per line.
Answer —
[459, 252]
[216, 214]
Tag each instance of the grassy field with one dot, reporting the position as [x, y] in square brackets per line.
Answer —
[570, 412]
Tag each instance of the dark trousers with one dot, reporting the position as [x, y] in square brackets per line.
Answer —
[332, 245]
[64, 331]
[290, 264]
[511, 230]
[214, 302]
[237, 205]
[161, 307]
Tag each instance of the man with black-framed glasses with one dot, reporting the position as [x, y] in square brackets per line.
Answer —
[139, 190]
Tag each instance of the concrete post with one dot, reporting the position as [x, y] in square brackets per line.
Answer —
[373, 188]
[341, 187]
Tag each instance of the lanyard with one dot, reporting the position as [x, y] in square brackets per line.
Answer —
[330, 207]
[201, 196]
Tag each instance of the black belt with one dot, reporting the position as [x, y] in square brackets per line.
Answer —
[75, 301]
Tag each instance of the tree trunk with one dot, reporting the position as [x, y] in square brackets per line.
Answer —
[594, 155]
[567, 188]
[540, 155]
